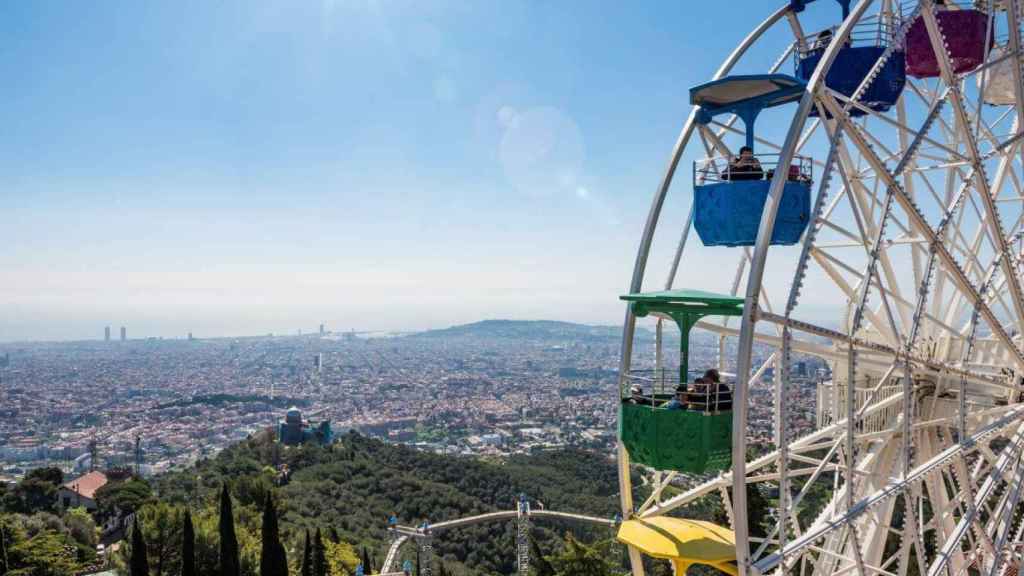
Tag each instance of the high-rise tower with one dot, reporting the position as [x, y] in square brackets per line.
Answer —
[106, 334]
[124, 334]
[138, 455]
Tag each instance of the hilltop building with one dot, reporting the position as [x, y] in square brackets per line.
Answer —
[82, 491]
[293, 430]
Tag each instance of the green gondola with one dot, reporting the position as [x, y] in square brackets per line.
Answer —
[694, 440]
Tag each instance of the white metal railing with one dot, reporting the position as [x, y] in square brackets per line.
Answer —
[656, 388]
[873, 31]
[752, 167]
[832, 396]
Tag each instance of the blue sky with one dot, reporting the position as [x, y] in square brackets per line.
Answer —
[247, 167]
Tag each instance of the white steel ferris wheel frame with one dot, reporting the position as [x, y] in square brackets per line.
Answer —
[990, 475]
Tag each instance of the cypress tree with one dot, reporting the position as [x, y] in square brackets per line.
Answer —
[273, 559]
[139, 562]
[229, 565]
[3, 548]
[307, 557]
[188, 547]
[367, 564]
[319, 556]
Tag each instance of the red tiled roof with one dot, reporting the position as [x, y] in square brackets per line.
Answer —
[87, 485]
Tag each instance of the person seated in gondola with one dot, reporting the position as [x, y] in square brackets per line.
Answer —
[822, 40]
[698, 396]
[680, 401]
[744, 167]
[719, 392]
[636, 396]
[793, 176]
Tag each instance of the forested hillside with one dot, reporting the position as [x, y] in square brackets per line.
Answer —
[351, 488]
[346, 492]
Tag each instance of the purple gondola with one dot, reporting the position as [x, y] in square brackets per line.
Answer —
[964, 33]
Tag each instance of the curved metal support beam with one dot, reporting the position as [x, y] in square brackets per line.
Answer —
[754, 278]
[640, 265]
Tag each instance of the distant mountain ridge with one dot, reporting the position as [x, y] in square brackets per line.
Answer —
[524, 329]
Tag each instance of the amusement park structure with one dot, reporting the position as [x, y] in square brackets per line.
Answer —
[876, 224]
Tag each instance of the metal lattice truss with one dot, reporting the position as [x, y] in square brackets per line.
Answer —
[915, 253]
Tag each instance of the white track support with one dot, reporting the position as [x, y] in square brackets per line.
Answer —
[392, 556]
[523, 538]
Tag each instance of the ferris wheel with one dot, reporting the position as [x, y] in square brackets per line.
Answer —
[873, 222]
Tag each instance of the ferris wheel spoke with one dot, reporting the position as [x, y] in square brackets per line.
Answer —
[874, 252]
[900, 486]
[966, 135]
[1004, 523]
[827, 262]
[787, 505]
[900, 126]
[995, 477]
[918, 219]
[1014, 42]
[812, 441]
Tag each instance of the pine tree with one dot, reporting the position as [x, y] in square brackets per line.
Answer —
[139, 562]
[229, 565]
[188, 547]
[319, 556]
[307, 557]
[541, 566]
[273, 559]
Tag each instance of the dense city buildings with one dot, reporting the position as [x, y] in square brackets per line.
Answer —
[489, 388]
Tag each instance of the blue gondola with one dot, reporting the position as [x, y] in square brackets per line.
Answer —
[850, 68]
[854, 62]
[729, 213]
[728, 201]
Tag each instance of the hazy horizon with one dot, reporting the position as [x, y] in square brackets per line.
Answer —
[254, 167]
[294, 331]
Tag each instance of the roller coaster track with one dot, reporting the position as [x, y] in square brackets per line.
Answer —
[404, 533]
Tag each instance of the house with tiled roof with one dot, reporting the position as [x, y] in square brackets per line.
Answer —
[81, 491]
